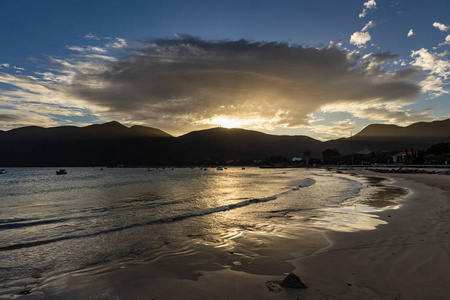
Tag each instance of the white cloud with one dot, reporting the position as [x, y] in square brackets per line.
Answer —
[441, 26]
[86, 49]
[335, 44]
[91, 36]
[18, 69]
[446, 42]
[433, 62]
[360, 38]
[99, 57]
[354, 55]
[410, 33]
[370, 24]
[433, 85]
[119, 43]
[438, 68]
[370, 4]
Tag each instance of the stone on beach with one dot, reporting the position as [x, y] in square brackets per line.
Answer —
[293, 281]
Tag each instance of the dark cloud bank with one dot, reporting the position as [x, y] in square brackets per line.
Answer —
[187, 79]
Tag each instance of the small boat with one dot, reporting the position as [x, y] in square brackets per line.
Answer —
[3, 171]
[243, 168]
[61, 172]
[219, 169]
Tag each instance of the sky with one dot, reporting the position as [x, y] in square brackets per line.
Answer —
[324, 69]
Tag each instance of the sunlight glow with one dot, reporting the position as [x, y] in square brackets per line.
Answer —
[227, 122]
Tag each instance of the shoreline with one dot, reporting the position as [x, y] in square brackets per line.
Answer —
[405, 257]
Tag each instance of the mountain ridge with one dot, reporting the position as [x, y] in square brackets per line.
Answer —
[113, 128]
[113, 143]
[427, 129]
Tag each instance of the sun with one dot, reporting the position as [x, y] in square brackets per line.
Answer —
[226, 122]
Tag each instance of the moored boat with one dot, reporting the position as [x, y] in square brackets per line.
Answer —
[61, 172]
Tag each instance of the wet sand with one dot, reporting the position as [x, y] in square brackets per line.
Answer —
[406, 257]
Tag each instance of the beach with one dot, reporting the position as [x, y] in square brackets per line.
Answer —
[407, 258]
[397, 253]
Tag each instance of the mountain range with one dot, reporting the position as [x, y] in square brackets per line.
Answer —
[112, 144]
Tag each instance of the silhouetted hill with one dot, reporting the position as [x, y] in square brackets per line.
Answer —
[113, 144]
[219, 144]
[386, 137]
[427, 130]
[104, 144]
[102, 131]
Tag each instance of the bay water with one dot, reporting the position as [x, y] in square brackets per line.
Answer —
[52, 224]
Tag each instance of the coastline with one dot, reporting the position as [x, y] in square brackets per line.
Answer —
[404, 258]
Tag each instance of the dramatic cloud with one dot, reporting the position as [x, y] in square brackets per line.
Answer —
[387, 113]
[441, 26]
[30, 100]
[410, 33]
[371, 4]
[185, 81]
[20, 119]
[382, 56]
[373, 63]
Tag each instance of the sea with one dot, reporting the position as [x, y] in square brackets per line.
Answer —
[52, 224]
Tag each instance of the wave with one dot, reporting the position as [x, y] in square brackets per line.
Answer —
[135, 225]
